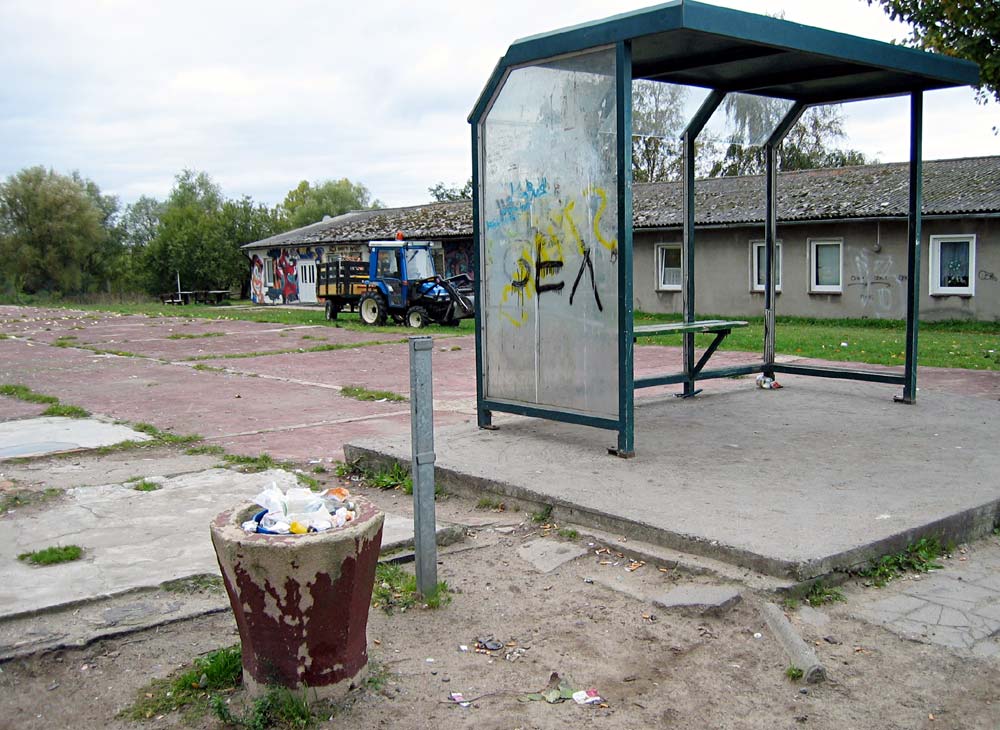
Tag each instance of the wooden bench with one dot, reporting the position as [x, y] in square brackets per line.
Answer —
[719, 327]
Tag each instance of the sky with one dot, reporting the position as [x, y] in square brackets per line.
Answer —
[261, 95]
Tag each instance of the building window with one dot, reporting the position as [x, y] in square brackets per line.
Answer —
[826, 266]
[953, 265]
[668, 267]
[758, 265]
[268, 271]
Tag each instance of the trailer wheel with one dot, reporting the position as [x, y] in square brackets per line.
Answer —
[372, 309]
[417, 317]
[332, 310]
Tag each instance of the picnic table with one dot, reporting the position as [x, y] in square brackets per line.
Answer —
[720, 327]
[200, 296]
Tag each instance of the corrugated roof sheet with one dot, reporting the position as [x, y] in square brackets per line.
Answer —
[951, 187]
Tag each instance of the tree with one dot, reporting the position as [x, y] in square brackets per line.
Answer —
[657, 126]
[968, 29]
[244, 222]
[190, 240]
[307, 204]
[52, 231]
[808, 145]
[445, 194]
[140, 222]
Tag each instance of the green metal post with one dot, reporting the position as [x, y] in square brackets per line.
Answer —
[913, 241]
[626, 345]
[695, 126]
[770, 228]
[484, 416]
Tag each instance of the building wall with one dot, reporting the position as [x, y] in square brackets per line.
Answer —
[873, 281]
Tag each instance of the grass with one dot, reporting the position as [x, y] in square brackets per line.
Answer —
[208, 368]
[820, 595]
[396, 590]
[66, 411]
[918, 557]
[951, 344]
[358, 392]
[491, 504]
[543, 515]
[205, 450]
[289, 350]
[344, 469]
[165, 437]
[64, 341]
[569, 533]
[319, 469]
[220, 670]
[793, 673]
[278, 708]
[23, 392]
[53, 555]
[181, 336]
[194, 584]
[146, 486]
[252, 464]
[26, 497]
[55, 408]
[393, 477]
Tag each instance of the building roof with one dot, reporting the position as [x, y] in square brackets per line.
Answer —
[958, 187]
[693, 43]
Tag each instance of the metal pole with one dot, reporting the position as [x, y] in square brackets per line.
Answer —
[626, 352]
[913, 246]
[690, 136]
[422, 463]
[178, 285]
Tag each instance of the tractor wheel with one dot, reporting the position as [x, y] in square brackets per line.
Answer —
[417, 317]
[372, 308]
[452, 322]
[332, 310]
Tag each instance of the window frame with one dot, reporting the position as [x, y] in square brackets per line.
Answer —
[658, 267]
[814, 286]
[935, 288]
[754, 245]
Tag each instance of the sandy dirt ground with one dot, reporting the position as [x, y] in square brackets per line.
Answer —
[652, 668]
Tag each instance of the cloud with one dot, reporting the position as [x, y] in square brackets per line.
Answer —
[262, 94]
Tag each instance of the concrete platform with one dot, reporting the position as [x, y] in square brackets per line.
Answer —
[819, 476]
[54, 434]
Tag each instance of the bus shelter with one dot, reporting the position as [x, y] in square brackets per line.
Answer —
[552, 188]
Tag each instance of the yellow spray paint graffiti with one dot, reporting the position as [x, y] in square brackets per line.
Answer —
[539, 271]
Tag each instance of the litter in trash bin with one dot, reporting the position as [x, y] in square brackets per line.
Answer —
[300, 511]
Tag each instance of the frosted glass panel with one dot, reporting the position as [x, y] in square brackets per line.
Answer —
[549, 237]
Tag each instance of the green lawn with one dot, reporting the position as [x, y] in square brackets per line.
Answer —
[954, 344]
[972, 345]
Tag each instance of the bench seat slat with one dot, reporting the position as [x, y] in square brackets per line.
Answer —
[708, 325]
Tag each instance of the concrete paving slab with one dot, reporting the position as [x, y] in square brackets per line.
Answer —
[134, 540]
[944, 607]
[547, 555]
[698, 600]
[794, 483]
[51, 435]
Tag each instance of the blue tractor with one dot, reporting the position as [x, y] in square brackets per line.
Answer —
[398, 282]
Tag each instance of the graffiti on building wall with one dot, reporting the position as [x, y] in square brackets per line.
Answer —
[877, 286]
[284, 285]
[257, 279]
[559, 257]
[457, 258]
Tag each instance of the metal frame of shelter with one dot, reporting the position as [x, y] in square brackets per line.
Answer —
[680, 42]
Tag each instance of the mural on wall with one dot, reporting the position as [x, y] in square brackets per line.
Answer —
[457, 258]
[257, 279]
[880, 290]
[284, 289]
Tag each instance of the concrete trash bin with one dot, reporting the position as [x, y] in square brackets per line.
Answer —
[301, 601]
